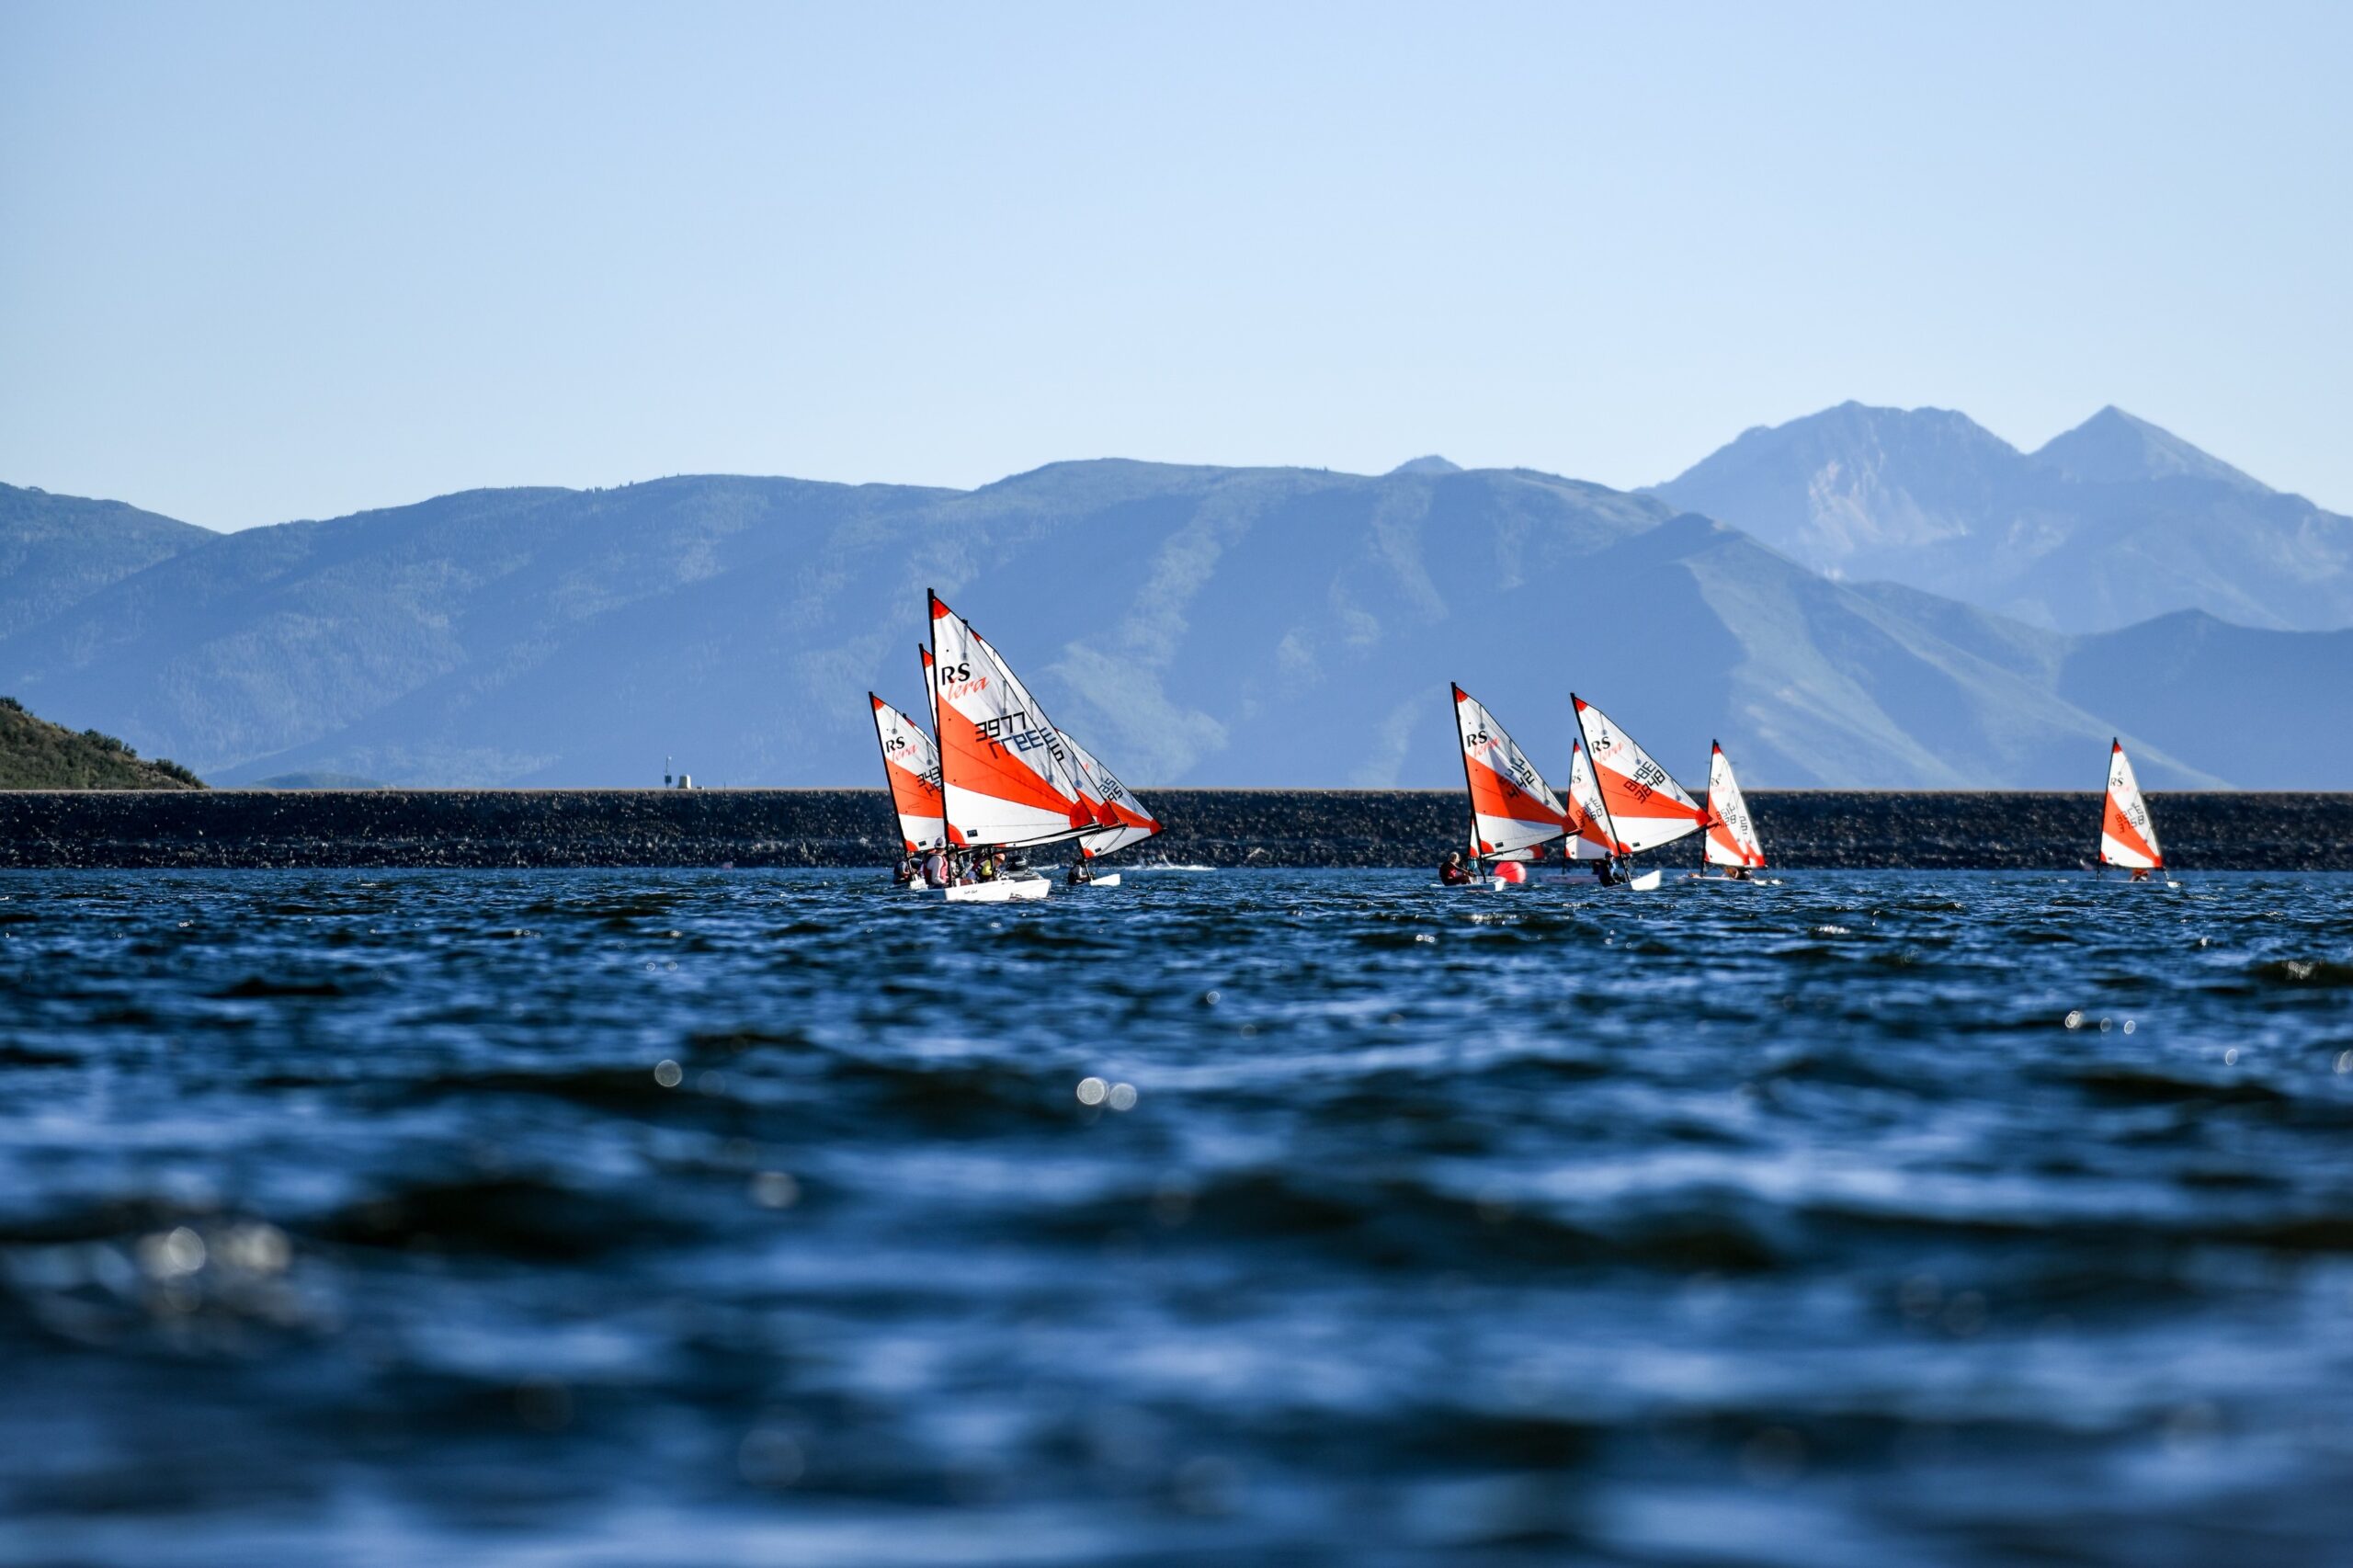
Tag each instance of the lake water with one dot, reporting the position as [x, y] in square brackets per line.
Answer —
[709, 1218]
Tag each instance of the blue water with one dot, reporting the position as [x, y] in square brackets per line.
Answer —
[710, 1218]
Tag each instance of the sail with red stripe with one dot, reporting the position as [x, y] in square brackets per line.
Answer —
[2126, 837]
[1120, 816]
[1588, 818]
[911, 764]
[1732, 836]
[1513, 811]
[1645, 807]
[1007, 775]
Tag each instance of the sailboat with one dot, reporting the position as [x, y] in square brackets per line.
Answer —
[2127, 837]
[1114, 805]
[1640, 807]
[1732, 840]
[1009, 778]
[911, 766]
[1515, 815]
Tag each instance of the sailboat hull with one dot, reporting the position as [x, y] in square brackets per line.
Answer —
[1008, 889]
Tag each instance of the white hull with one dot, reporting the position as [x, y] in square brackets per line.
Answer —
[1111, 880]
[1647, 882]
[1008, 889]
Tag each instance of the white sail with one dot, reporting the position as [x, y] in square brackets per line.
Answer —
[1732, 837]
[2126, 837]
[1513, 812]
[1588, 815]
[1007, 777]
[1114, 804]
[911, 765]
[1645, 807]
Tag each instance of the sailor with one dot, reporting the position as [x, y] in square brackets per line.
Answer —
[1082, 872]
[984, 869]
[935, 868]
[1605, 872]
[905, 871]
[2140, 873]
[1737, 874]
[1451, 870]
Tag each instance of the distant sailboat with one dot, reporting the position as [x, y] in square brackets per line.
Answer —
[1514, 813]
[2127, 837]
[1120, 815]
[1731, 838]
[911, 766]
[1640, 807]
[1009, 778]
[1589, 814]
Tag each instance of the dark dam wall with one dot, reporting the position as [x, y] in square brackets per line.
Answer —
[1219, 827]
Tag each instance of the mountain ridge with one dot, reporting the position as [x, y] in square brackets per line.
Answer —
[2114, 522]
[1282, 627]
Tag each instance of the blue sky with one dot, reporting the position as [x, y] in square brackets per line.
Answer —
[261, 262]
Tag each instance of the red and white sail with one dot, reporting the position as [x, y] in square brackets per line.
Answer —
[2126, 837]
[1005, 774]
[1588, 817]
[911, 763]
[1732, 837]
[1647, 808]
[1114, 804]
[1513, 811]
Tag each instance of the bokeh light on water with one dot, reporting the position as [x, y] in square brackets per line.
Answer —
[1309, 1217]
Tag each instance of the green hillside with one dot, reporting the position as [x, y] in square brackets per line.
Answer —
[38, 754]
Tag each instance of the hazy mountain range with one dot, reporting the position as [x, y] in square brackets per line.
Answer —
[1196, 625]
[2112, 523]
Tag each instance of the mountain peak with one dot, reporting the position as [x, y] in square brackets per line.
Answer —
[1430, 464]
[2114, 447]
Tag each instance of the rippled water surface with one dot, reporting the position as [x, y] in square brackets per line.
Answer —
[756, 1218]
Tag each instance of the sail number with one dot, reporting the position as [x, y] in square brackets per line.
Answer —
[1014, 731]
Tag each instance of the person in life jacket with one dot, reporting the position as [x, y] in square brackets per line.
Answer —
[905, 872]
[984, 869]
[2140, 873]
[1453, 872]
[1605, 872]
[1082, 872]
[935, 868]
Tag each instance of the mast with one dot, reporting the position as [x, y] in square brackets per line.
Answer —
[1600, 791]
[1715, 747]
[1469, 796]
[890, 785]
[948, 834]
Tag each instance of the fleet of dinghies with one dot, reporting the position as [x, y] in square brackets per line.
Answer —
[994, 778]
[1620, 802]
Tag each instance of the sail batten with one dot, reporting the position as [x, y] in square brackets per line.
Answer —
[1732, 836]
[2127, 835]
[1643, 806]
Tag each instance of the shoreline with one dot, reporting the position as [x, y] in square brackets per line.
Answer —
[1802, 829]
